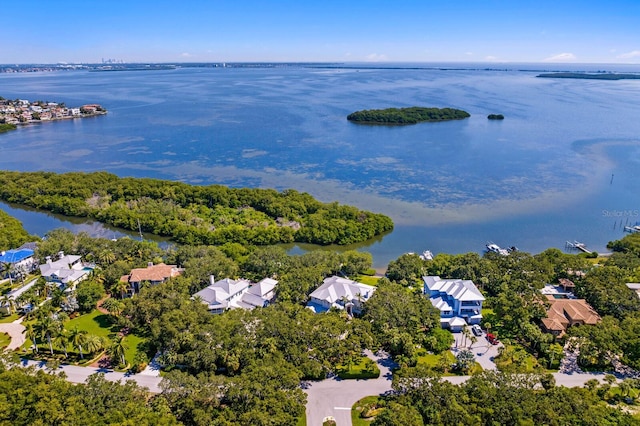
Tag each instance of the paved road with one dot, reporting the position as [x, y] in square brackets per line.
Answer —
[335, 397]
[331, 397]
[77, 374]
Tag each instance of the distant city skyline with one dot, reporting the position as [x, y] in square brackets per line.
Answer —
[569, 31]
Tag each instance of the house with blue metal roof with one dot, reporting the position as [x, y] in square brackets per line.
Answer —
[16, 262]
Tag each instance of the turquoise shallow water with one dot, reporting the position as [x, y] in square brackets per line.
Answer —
[536, 179]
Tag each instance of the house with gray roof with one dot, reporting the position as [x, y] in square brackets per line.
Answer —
[229, 294]
[459, 301]
[340, 293]
[67, 271]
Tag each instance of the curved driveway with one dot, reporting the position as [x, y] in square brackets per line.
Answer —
[15, 330]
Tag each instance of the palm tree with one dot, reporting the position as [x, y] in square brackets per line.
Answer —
[56, 297]
[113, 306]
[118, 348]
[466, 334]
[8, 267]
[473, 340]
[30, 332]
[63, 339]
[464, 360]
[121, 287]
[93, 343]
[107, 257]
[9, 303]
[78, 338]
[47, 328]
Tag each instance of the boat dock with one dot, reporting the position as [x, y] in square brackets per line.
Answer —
[577, 245]
[632, 229]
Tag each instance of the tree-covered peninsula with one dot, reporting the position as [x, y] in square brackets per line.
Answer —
[401, 116]
[192, 214]
[591, 76]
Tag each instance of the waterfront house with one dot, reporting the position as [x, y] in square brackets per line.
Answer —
[152, 274]
[340, 293]
[459, 301]
[19, 261]
[228, 294]
[564, 313]
[67, 271]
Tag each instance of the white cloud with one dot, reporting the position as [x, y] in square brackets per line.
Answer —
[186, 55]
[490, 58]
[469, 53]
[561, 57]
[376, 57]
[630, 55]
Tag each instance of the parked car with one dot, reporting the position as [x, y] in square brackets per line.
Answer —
[492, 339]
[476, 330]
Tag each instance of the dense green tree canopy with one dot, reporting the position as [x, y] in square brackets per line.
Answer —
[410, 115]
[191, 214]
[494, 398]
[12, 234]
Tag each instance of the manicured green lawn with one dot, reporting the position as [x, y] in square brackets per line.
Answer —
[433, 360]
[357, 408]
[95, 322]
[368, 280]
[99, 324]
[302, 420]
[10, 318]
[364, 369]
[4, 340]
[132, 342]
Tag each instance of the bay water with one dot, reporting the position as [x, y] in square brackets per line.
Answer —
[563, 165]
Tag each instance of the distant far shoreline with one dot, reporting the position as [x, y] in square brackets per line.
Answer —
[591, 76]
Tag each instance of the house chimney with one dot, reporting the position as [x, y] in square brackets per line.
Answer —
[48, 259]
[149, 264]
[60, 254]
[212, 280]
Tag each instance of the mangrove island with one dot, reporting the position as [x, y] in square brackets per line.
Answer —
[402, 116]
[495, 117]
[191, 214]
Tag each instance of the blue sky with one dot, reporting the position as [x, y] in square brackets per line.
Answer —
[342, 31]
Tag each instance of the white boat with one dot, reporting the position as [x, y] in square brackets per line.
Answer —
[497, 249]
[426, 255]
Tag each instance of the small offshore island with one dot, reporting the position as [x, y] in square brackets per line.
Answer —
[19, 111]
[403, 116]
[590, 76]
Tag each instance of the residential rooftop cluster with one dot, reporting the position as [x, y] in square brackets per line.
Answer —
[20, 111]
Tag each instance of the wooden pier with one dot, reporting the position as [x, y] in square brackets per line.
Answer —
[577, 245]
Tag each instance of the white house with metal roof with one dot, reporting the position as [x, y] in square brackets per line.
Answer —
[340, 293]
[67, 271]
[228, 294]
[459, 301]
